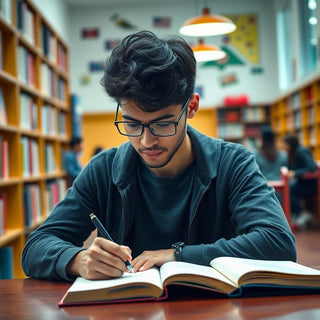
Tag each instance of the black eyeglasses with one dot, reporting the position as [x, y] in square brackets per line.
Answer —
[159, 129]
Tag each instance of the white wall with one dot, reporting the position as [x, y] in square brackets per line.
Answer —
[57, 14]
[261, 88]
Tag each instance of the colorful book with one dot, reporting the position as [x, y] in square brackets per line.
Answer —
[31, 204]
[3, 112]
[229, 276]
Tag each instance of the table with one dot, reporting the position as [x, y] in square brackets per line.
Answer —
[31, 299]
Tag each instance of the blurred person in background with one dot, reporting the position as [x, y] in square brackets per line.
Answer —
[269, 158]
[300, 161]
[71, 161]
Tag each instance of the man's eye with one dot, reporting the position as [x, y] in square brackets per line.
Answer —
[162, 124]
[132, 124]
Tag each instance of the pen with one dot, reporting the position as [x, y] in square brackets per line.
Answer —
[106, 235]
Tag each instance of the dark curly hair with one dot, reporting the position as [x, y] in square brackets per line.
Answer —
[155, 73]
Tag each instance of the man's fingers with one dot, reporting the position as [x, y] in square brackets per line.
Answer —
[123, 252]
[103, 253]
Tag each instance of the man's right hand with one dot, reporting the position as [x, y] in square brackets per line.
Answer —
[103, 259]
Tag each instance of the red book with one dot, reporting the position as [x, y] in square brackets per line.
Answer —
[31, 77]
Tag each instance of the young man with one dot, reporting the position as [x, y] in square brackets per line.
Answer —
[170, 193]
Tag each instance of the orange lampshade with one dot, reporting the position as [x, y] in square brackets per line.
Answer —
[207, 25]
[205, 52]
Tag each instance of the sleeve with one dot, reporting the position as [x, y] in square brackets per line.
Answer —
[248, 207]
[306, 162]
[284, 159]
[50, 248]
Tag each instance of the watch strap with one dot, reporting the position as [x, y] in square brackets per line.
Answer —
[177, 246]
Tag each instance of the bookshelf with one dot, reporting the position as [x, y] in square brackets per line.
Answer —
[298, 112]
[242, 124]
[35, 123]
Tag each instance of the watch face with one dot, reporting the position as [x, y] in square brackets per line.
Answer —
[178, 245]
[178, 250]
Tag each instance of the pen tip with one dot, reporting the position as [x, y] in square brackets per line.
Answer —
[130, 269]
[91, 215]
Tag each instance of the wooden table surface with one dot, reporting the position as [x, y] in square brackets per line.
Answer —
[38, 299]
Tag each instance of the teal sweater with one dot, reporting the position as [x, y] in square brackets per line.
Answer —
[233, 211]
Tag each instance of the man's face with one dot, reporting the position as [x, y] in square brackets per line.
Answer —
[156, 152]
[78, 148]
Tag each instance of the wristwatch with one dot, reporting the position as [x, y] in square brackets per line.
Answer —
[177, 246]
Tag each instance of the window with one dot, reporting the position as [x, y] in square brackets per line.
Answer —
[285, 49]
[308, 38]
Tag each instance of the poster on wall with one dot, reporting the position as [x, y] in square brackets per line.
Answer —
[231, 59]
[90, 33]
[121, 22]
[95, 66]
[110, 44]
[161, 22]
[245, 38]
[228, 79]
[241, 47]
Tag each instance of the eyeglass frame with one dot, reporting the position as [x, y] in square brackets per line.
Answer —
[151, 123]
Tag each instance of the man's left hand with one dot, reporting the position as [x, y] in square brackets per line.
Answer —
[148, 259]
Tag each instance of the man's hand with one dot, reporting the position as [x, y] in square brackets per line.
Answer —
[104, 259]
[291, 174]
[148, 259]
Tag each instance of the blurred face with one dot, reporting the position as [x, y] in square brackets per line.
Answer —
[158, 153]
[78, 148]
[286, 147]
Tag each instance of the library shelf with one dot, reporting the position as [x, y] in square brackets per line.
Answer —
[298, 112]
[242, 124]
[35, 122]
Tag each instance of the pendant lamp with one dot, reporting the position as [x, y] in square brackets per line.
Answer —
[205, 52]
[207, 25]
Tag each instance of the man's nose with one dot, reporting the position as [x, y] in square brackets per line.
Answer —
[147, 138]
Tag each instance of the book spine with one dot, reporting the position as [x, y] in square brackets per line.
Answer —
[6, 263]
[3, 214]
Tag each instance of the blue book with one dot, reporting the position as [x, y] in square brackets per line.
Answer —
[6, 263]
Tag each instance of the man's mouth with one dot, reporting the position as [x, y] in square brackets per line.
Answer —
[152, 154]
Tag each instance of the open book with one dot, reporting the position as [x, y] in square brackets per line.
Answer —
[226, 275]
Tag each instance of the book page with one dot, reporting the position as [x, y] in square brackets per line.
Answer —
[173, 268]
[149, 276]
[235, 268]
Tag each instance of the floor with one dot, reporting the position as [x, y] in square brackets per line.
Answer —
[308, 247]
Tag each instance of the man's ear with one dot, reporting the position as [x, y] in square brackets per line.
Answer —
[193, 105]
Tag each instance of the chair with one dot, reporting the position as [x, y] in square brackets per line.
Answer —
[315, 175]
[282, 186]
